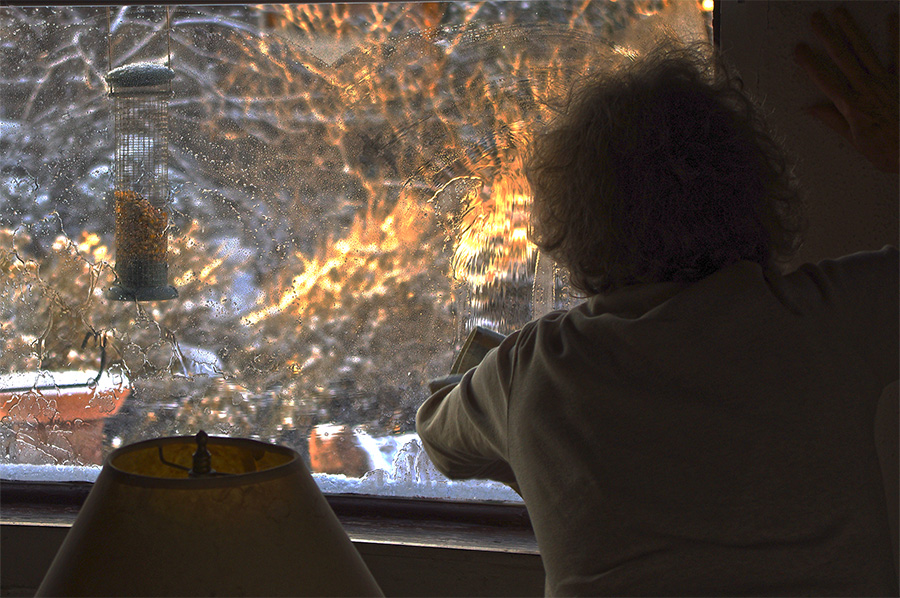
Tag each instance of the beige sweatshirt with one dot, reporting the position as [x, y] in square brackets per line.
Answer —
[705, 439]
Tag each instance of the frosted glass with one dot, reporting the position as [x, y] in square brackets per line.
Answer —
[346, 201]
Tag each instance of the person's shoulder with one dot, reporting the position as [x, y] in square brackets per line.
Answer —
[530, 331]
[547, 334]
[869, 258]
[882, 262]
[863, 273]
[554, 321]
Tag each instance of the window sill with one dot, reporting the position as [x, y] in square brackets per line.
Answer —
[487, 527]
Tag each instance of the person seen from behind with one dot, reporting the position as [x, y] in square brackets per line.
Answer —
[703, 423]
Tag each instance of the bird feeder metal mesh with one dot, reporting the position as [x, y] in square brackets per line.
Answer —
[140, 94]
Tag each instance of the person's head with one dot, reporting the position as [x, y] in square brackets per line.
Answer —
[661, 170]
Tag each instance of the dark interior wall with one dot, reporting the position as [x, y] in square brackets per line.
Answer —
[400, 570]
[851, 205]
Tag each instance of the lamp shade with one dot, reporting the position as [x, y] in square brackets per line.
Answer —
[257, 526]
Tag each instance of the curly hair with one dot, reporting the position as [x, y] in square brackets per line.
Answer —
[661, 170]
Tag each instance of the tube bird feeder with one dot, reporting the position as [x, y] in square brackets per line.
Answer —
[140, 94]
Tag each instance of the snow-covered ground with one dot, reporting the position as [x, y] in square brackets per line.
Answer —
[400, 469]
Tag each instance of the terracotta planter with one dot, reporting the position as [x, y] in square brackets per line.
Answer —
[57, 417]
[334, 448]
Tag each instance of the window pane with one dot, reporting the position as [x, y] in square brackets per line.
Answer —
[343, 198]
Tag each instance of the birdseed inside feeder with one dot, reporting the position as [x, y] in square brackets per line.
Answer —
[140, 94]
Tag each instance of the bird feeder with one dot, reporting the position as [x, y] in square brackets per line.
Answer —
[140, 94]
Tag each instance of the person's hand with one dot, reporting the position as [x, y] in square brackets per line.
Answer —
[436, 384]
[864, 95]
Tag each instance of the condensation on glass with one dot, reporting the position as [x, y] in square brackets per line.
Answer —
[345, 201]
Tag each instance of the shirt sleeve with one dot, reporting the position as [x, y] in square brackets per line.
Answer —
[866, 288]
[464, 427]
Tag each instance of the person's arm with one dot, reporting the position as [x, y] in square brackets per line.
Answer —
[464, 427]
[863, 94]
[865, 288]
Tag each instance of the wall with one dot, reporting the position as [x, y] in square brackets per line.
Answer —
[851, 207]
[400, 570]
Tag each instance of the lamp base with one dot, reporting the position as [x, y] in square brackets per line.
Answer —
[159, 293]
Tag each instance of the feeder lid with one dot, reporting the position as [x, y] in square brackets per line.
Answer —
[140, 74]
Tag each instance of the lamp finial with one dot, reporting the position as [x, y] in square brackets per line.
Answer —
[202, 458]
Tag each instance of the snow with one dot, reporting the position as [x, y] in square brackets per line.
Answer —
[378, 482]
[401, 469]
[48, 473]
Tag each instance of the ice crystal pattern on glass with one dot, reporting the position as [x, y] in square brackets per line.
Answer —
[346, 201]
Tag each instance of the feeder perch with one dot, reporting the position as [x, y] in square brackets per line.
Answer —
[140, 94]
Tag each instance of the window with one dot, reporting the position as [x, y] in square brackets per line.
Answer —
[345, 200]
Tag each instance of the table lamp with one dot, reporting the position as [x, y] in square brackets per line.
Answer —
[206, 516]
